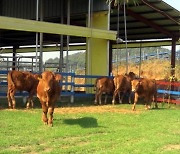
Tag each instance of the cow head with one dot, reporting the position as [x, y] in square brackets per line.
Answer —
[135, 85]
[48, 79]
[37, 76]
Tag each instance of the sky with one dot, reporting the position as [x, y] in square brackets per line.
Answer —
[47, 55]
[174, 3]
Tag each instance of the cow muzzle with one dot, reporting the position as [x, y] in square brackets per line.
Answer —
[133, 90]
[47, 89]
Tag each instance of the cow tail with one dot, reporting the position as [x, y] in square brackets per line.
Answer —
[10, 80]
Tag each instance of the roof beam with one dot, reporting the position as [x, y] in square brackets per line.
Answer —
[144, 44]
[160, 11]
[150, 23]
[53, 28]
[83, 47]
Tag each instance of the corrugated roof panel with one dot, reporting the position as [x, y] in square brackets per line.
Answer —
[172, 28]
[140, 8]
[19, 8]
[152, 15]
[164, 22]
[79, 6]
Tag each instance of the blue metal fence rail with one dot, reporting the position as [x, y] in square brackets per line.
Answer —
[71, 93]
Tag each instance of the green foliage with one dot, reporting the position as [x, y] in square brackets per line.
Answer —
[153, 131]
[76, 61]
[136, 51]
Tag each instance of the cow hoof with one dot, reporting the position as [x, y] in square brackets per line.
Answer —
[45, 123]
[50, 125]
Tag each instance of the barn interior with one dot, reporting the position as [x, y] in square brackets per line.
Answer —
[31, 25]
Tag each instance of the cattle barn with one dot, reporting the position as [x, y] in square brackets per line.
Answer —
[95, 26]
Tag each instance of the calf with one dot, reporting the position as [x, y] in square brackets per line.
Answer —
[144, 88]
[123, 85]
[103, 85]
[21, 81]
[48, 92]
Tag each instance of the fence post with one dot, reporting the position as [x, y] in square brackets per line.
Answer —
[72, 87]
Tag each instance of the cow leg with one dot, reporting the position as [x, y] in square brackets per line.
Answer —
[114, 96]
[12, 98]
[30, 103]
[105, 101]
[9, 100]
[96, 97]
[13, 102]
[135, 101]
[155, 100]
[129, 97]
[100, 97]
[148, 103]
[29, 100]
[44, 114]
[120, 99]
[50, 120]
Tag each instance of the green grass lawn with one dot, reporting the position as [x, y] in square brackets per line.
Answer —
[139, 132]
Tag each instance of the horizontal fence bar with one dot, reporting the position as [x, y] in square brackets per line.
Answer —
[69, 93]
[84, 85]
[3, 72]
[18, 94]
[176, 101]
[3, 83]
[168, 92]
[77, 94]
[91, 76]
[168, 83]
[84, 95]
[67, 83]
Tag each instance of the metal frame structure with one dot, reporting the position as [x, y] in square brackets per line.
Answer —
[148, 20]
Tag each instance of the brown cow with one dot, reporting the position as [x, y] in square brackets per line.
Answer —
[48, 92]
[103, 85]
[21, 81]
[144, 88]
[123, 85]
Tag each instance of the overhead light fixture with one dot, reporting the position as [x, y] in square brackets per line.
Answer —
[119, 40]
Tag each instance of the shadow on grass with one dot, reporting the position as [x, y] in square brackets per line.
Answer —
[86, 122]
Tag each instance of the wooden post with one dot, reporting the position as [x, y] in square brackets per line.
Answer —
[14, 58]
[61, 60]
[173, 56]
[110, 58]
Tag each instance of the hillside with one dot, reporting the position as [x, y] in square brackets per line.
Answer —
[151, 67]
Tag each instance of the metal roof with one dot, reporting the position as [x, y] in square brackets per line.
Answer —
[153, 19]
[150, 19]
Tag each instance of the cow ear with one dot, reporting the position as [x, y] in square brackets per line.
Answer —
[140, 82]
[58, 77]
[39, 78]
